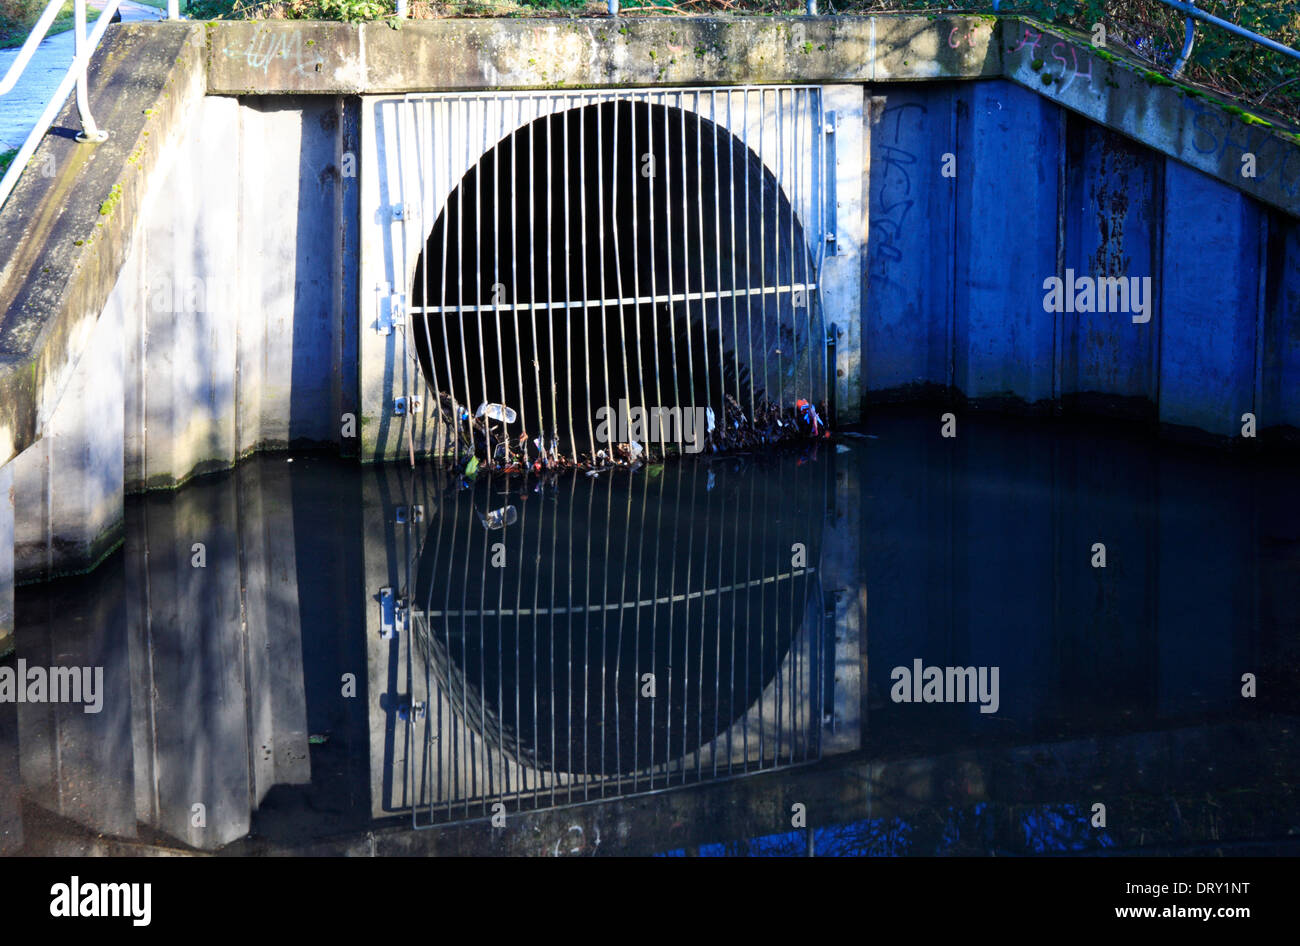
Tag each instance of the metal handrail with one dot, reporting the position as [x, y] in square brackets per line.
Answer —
[1194, 13]
[75, 76]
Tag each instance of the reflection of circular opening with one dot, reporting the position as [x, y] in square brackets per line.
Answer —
[697, 565]
[616, 201]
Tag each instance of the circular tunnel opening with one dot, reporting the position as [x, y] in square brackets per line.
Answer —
[617, 250]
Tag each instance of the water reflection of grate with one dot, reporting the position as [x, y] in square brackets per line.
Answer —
[533, 673]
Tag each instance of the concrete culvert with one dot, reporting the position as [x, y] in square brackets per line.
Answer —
[622, 250]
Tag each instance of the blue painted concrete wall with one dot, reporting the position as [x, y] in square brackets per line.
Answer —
[956, 268]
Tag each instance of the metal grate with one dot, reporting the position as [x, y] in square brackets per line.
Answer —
[587, 248]
[534, 624]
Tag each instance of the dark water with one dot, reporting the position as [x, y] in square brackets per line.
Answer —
[772, 599]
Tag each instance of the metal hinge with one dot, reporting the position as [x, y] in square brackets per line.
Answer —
[393, 612]
[390, 314]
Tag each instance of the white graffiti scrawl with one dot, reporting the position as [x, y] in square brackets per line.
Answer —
[268, 45]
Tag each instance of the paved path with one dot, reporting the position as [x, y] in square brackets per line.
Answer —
[21, 107]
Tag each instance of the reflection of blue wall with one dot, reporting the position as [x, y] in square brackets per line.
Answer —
[979, 829]
[977, 552]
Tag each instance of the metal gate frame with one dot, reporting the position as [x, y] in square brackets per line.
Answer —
[448, 760]
[400, 203]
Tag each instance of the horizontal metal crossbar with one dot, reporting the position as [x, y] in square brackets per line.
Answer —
[709, 295]
[620, 606]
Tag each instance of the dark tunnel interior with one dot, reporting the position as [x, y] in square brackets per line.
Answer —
[619, 200]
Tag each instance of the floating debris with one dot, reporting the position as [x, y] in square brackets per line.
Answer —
[499, 518]
[492, 447]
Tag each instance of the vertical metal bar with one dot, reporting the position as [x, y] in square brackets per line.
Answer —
[555, 528]
[515, 136]
[604, 285]
[604, 626]
[821, 193]
[654, 622]
[652, 166]
[686, 255]
[586, 647]
[717, 263]
[451, 744]
[437, 134]
[89, 133]
[762, 236]
[620, 309]
[467, 751]
[703, 623]
[1189, 39]
[519, 633]
[796, 190]
[668, 261]
[537, 630]
[568, 292]
[532, 266]
[586, 288]
[497, 155]
[481, 736]
[765, 544]
[731, 206]
[748, 636]
[547, 312]
[672, 605]
[717, 634]
[778, 182]
[586, 619]
[478, 273]
[426, 168]
[699, 218]
[636, 630]
[462, 196]
[749, 270]
[635, 168]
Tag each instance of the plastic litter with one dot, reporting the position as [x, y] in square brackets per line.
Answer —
[499, 412]
[499, 518]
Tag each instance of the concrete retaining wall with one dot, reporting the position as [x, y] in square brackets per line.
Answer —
[955, 297]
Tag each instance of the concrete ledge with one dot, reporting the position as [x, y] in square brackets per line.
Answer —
[66, 235]
[1183, 122]
[264, 57]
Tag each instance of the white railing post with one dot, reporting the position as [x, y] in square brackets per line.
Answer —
[89, 133]
[173, 9]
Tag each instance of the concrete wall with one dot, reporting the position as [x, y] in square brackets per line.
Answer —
[238, 340]
[220, 337]
[956, 270]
